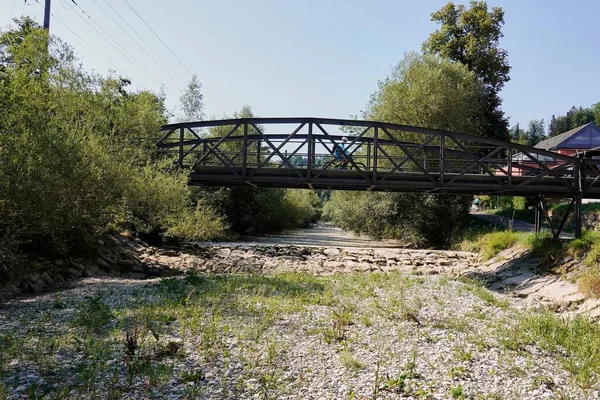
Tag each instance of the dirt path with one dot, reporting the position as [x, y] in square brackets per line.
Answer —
[517, 225]
[322, 235]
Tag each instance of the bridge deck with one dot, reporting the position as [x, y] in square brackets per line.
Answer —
[381, 181]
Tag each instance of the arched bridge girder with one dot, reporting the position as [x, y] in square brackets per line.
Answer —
[297, 153]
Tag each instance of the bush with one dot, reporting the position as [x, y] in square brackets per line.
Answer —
[493, 243]
[75, 157]
[421, 219]
[589, 283]
[252, 211]
[197, 225]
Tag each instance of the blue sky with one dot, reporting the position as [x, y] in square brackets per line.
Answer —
[324, 58]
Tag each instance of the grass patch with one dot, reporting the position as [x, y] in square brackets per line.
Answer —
[579, 338]
[243, 324]
[475, 228]
[589, 283]
[350, 362]
[542, 245]
[487, 296]
[457, 392]
[93, 314]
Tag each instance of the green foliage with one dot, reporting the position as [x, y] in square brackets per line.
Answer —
[256, 211]
[93, 314]
[516, 213]
[77, 156]
[573, 118]
[578, 337]
[493, 243]
[192, 101]
[589, 283]
[457, 392]
[427, 91]
[471, 36]
[422, 219]
[350, 362]
[536, 132]
[247, 210]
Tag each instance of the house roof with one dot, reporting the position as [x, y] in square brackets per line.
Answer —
[583, 137]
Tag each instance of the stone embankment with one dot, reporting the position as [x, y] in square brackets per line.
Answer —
[512, 272]
[516, 273]
[117, 256]
[257, 258]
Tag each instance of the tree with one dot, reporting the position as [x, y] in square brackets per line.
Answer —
[552, 127]
[536, 132]
[192, 101]
[575, 117]
[75, 157]
[471, 36]
[249, 210]
[428, 91]
[517, 134]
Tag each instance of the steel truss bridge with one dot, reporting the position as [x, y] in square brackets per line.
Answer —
[298, 153]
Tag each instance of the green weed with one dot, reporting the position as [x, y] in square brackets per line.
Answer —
[93, 314]
[457, 392]
[351, 362]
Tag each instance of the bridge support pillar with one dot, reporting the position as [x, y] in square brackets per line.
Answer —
[578, 201]
[538, 214]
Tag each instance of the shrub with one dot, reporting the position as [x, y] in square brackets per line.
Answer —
[75, 153]
[249, 211]
[589, 283]
[199, 224]
[421, 219]
[93, 314]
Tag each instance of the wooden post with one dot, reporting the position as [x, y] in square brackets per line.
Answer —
[579, 172]
[538, 215]
[510, 172]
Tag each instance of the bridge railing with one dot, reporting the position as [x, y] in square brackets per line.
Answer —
[379, 154]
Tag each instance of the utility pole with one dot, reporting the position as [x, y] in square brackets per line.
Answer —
[47, 16]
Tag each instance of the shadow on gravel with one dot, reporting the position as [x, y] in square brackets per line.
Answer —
[514, 272]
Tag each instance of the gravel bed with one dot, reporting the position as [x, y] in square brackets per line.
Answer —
[357, 336]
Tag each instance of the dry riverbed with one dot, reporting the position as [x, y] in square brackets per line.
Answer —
[290, 336]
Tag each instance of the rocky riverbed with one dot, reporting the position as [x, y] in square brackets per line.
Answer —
[281, 336]
[271, 320]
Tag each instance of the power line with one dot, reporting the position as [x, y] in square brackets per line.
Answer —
[65, 7]
[141, 37]
[171, 51]
[124, 51]
[158, 37]
[149, 46]
[12, 11]
[175, 77]
[83, 40]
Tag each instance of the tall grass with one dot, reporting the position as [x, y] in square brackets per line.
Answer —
[579, 338]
